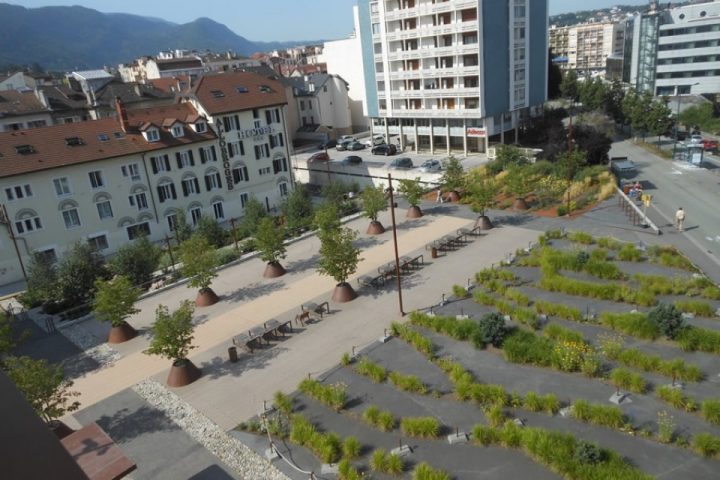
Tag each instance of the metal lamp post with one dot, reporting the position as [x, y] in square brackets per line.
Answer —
[677, 120]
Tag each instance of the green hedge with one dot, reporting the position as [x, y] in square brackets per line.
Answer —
[603, 291]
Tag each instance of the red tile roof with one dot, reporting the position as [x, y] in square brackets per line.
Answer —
[171, 84]
[178, 63]
[14, 102]
[52, 151]
[230, 99]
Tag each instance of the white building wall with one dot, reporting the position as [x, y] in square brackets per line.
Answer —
[22, 122]
[15, 81]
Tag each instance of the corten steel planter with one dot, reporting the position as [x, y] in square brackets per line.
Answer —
[484, 222]
[414, 212]
[274, 270]
[454, 196]
[375, 228]
[520, 204]
[343, 293]
[183, 372]
[206, 297]
[59, 429]
[122, 333]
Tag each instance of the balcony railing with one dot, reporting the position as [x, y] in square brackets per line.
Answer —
[431, 112]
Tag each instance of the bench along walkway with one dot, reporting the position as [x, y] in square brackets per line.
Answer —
[268, 330]
[452, 242]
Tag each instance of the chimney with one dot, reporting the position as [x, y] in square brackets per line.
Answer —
[121, 114]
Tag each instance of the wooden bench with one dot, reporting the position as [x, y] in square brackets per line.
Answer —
[475, 232]
[320, 309]
[368, 281]
[387, 270]
[276, 327]
[248, 341]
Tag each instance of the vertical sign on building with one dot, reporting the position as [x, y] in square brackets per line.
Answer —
[224, 155]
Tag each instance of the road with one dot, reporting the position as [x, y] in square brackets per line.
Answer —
[678, 184]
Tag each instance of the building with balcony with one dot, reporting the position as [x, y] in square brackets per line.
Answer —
[674, 51]
[586, 46]
[446, 75]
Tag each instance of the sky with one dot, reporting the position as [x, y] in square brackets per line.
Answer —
[269, 20]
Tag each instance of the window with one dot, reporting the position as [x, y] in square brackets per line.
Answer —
[243, 199]
[152, 135]
[262, 151]
[302, 104]
[185, 159]
[172, 221]
[139, 200]
[283, 186]
[276, 140]
[62, 186]
[71, 218]
[268, 117]
[218, 211]
[47, 255]
[96, 180]
[195, 215]
[280, 165]
[73, 141]
[103, 137]
[18, 192]
[160, 163]
[190, 186]
[24, 149]
[217, 93]
[166, 191]
[131, 170]
[201, 127]
[138, 230]
[104, 209]
[231, 123]
[519, 33]
[376, 28]
[264, 171]
[519, 54]
[212, 181]
[256, 113]
[207, 154]
[236, 148]
[98, 242]
[28, 224]
[178, 131]
[240, 174]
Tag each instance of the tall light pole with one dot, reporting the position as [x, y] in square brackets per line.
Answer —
[397, 257]
[677, 120]
[570, 169]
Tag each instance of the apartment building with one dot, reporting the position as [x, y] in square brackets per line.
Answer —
[446, 75]
[108, 181]
[163, 66]
[587, 46]
[674, 51]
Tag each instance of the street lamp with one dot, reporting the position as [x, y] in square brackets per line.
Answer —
[677, 119]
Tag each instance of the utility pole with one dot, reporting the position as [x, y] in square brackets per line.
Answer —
[397, 257]
[570, 169]
[169, 247]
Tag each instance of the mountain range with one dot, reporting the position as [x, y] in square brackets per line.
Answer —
[77, 38]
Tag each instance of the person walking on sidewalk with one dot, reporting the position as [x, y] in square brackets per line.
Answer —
[679, 219]
[439, 198]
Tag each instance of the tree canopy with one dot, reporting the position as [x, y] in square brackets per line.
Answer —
[270, 240]
[172, 333]
[137, 261]
[480, 192]
[298, 210]
[412, 190]
[115, 300]
[199, 261]
[453, 174]
[374, 201]
[339, 257]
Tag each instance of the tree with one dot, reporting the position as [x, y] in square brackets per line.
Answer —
[137, 261]
[453, 174]
[374, 202]
[209, 228]
[519, 183]
[660, 119]
[614, 97]
[412, 191]
[254, 212]
[270, 241]
[569, 85]
[183, 230]
[506, 156]
[42, 283]
[554, 77]
[298, 210]
[43, 385]
[199, 261]
[172, 333]
[668, 319]
[592, 93]
[492, 329]
[698, 116]
[594, 144]
[115, 300]
[327, 219]
[339, 257]
[77, 273]
[480, 192]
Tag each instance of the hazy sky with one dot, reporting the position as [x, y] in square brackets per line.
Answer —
[268, 20]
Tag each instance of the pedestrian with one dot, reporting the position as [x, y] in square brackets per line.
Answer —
[439, 198]
[679, 219]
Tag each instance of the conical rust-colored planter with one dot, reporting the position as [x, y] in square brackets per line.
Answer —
[274, 270]
[183, 372]
[375, 228]
[484, 222]
[414, 212]
[122, 333]
[343, 293]
[520, 204]
[59, 429]
[206, 297]
[454, 196]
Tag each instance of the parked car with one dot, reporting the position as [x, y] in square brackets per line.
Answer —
[402, 162]
[710, 145]
[696, 139]
[375, 140]
[344, 144]
[327, 144]
[355, 146]
[319, 157]
[384, 149]
[431, 166]
[345, 138]
[352, 160]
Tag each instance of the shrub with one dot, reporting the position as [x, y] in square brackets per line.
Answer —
[423, 471]
[408, 383]
[601, 415]
[376, 372]
[702, 309]
[495, 415]
[209, 228]
[524, 347]
[581, 237]
[485, 436]
[668, 319]
[420, 427]
[382, 420]
[334, 396]
[588, 453]
[416, 339]
[492, 328]
[675, 397]
[137, 261]
[634, 324]
[283, 403]
[459, 291]
[706, 444]
[609, 243]
[351, 448]
[710, 410]
[629, 253]
[627, 380]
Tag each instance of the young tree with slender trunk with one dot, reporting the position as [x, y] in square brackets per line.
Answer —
[199, 261]
[270, 242]
[115, 302]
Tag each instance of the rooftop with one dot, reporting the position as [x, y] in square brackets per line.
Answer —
[237, 91]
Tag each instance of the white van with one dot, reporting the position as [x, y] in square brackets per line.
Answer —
[375, 140]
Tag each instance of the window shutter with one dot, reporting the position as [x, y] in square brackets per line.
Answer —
[179, 159]
[268, 116]
[257, 152]
[282, 142]
[153, 162]
[231, 150]
[185, 188]
[245, 171]
[226, 124]
[267, 150]
[172, 191]
[203, 159]
[208, 185]
[236, 175]
[219, 180]
[214, 155]
[197, 185]
[161, 194]
[237, 122]
[192, 159]
[272, 141]
[242, 147]
[167, 162]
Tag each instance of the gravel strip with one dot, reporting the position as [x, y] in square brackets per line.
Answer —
[233, 453]
[91, 346]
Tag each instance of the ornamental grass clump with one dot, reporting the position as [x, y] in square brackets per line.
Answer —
[693, 339]
[558, 310]
[408, 383]
[601, 415]
[380, 419]
[372, 370]
[707, 445]
[701, 309]
[624, 379]
[389, 464]
[424, 471]
[416, 339]
[460, 292]
[629, 253]
[326, 446]
[634, 324]
[334, 396]
[555, 331]
[420, 427]
[676, 398]
[582, 238]
[710, 410]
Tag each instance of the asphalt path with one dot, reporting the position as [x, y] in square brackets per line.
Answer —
[680, 184]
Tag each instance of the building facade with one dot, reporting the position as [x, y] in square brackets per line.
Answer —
[587, 46]
[444, 76]
[108, 181]
[674, 51]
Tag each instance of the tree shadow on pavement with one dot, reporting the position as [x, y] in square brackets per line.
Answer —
[218, 366]
[125, 424]
[213, 472]
[302, 265]
[253, 291]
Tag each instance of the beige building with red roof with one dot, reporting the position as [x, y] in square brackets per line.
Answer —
[109, 181]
